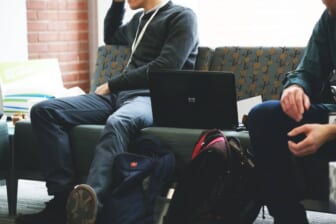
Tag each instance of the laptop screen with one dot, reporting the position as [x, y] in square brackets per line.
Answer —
[193, 99]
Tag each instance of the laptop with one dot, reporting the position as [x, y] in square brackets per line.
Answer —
[193, 99]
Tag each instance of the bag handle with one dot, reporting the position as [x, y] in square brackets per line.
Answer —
[203, 141]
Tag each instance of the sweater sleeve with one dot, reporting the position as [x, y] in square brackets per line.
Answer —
[177, 47]
[113, 29]
[315, 65]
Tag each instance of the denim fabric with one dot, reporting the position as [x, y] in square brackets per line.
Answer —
[122, 126]
[277, 167]
[51, 120]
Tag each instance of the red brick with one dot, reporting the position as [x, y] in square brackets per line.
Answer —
[57, 5]
[76, 66]
[74, 57]
[77, 5]
[78, 46]
[31, 15]
[74, 36]
[80, 26]
[47, 15]
[83, 56]
[73, 15]
[35, 4]
[47, 37]
[58, 25]
[49, 55]
[69, 56]
[37, 26]
[85, 86]
[59, 29]
[58, 47]
[34, 48]
[32, 37]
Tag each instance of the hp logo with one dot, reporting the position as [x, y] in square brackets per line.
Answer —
[191, 99]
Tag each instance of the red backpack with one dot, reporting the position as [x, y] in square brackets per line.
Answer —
[218, 185]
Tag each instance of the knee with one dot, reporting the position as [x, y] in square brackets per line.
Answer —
[39, 110]
[263, 115]
[256, 115]
[122, 122]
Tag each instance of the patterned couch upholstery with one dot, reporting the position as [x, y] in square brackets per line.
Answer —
[111, 60]
[258, 70]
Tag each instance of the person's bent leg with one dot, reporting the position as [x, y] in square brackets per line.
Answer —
[51, 120]
[268, 127]
[121, 127]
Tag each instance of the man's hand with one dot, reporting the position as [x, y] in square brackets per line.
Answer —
[102, 89]
[294, 102]
[316, 136]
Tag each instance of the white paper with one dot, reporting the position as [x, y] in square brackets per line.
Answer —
[245, 105]
[25, 83]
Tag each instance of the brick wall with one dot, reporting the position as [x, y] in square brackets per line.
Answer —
[59, 29]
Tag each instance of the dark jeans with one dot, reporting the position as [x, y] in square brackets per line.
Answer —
[279, 171]
[123, 115]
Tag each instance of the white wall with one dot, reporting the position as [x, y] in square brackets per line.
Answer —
[255, 22]
[248, 22]
[13, 30]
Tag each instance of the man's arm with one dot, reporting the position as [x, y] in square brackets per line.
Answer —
[113, 23]
[316, 135]
[178, 45]
[306, 83]
[315, 64]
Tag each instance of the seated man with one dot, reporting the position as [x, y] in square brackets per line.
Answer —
[162, 36]
[296, 127]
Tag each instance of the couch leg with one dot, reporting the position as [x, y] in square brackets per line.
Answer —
[12, 187]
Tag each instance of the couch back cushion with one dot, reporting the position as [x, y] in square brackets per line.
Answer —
[111, 59]
[204, 58]
[258, 70]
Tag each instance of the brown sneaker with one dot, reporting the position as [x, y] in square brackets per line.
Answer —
[81, 207]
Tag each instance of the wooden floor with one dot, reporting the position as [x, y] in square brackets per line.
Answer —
[32, 195]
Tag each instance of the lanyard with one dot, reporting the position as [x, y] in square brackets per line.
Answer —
[139, 36]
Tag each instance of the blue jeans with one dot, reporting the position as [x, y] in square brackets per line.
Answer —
[278, 170]
[123, 115]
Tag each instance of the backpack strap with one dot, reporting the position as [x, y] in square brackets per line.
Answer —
[207, 138]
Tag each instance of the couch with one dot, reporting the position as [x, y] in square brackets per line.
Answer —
[5, 162]
[258, 71]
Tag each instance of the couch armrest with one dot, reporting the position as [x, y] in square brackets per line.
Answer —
[84, 139]
[4, 148]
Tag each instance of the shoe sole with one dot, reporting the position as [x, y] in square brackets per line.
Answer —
[81, 206]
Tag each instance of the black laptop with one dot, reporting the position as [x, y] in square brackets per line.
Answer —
[193, 99]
